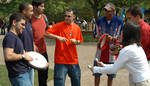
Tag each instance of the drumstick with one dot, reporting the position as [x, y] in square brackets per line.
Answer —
[96, 60]
[89, 66]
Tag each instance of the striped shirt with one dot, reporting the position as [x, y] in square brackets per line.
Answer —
[114, 29]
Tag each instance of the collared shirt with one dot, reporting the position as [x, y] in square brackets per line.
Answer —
[145, 38]
[132, 58]
[114, 29]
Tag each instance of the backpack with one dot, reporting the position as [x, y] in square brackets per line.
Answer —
[46, 21]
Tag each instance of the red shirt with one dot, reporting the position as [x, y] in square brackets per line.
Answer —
[66, 52]
[38, 27]
[145, 38]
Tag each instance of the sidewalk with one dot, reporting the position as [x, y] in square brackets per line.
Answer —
[86, 53]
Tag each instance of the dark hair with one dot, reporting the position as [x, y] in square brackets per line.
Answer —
[135, 10]
[131, 34]
[71, 9]
[23, 5]
[37, 2]
[17, 17]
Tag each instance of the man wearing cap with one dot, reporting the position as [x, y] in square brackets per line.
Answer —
[112, 26]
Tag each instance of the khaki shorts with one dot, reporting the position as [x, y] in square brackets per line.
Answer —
[144, 83]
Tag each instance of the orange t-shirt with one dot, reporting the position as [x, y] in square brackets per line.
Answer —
[66, 52]
[38, 27]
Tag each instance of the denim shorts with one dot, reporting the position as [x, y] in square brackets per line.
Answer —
[99, 74]
[21, 80]
[60, 72]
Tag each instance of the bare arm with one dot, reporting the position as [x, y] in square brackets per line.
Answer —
[35, 48]
[52, 36]
[9, 55]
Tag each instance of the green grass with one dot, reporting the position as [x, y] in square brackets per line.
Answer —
[4, 80]
[89, 39]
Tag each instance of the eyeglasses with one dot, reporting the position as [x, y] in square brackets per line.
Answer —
[67, 16]
[23, 24]
[107, 10]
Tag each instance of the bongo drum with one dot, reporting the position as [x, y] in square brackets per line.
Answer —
[116, 46]
[39, 61]
[102, 42]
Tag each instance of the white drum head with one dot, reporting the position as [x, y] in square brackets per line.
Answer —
[103, 41]
[39, 61]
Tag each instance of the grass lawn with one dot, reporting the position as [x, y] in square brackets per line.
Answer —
[89, 39]
[4, 81]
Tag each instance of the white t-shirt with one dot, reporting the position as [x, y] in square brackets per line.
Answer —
[132, 58]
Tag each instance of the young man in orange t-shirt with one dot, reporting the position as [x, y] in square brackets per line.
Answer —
[67, 35]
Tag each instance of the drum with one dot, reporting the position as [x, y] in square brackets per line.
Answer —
[116, 46]
[39, 61]
[102, 42]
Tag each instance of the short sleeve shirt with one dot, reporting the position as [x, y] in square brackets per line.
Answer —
[114, 29]
[15, 68]
[27, 37]
[66, 52]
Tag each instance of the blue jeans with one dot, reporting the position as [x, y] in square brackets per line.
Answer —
[60, 72]
[21, 80]
[31, 75]
[99, 74]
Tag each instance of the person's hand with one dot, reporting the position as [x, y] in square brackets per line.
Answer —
[73, 41]
[78, 42]
[108, 37]
[27, 57]
[100, 64]
[114, 52]
[91, 69]
[62, 39]
[47, 65]
[36, 49]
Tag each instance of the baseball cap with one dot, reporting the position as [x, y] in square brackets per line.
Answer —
[109, 6]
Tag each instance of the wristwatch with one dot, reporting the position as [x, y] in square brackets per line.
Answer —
[23, 56]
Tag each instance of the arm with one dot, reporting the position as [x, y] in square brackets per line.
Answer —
[111, 69]
[144, 38]
[52, 36]
[35, 48]
[9, 55]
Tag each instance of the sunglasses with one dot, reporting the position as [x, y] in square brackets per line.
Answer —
[23, 24]
[107, 10]
[67, 16]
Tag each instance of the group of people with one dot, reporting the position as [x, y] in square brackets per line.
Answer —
[22, 38]
[134, 36]
[28, 29]
[27, 33]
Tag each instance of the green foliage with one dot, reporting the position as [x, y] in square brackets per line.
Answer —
[119, 4]
[86, 9]
[53, 8]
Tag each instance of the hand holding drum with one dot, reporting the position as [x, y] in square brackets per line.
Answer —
[39, 62]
